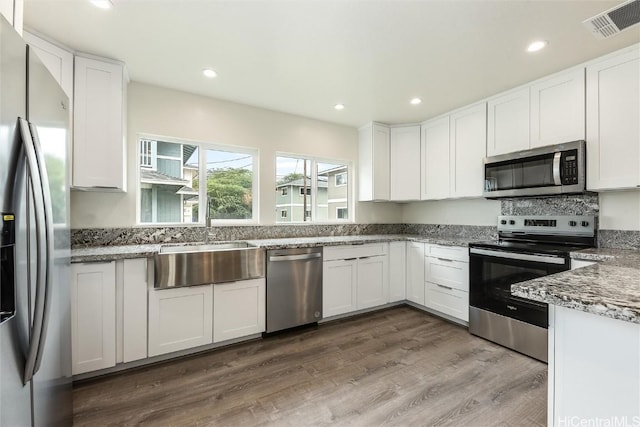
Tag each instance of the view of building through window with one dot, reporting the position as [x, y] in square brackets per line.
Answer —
[171, 175]
[310, 190]
[168, 182]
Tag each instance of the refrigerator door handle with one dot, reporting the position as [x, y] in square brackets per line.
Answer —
[49, 241]
[38, 201]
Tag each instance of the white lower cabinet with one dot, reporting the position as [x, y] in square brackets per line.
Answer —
[93, 316]
[338, 287]
[397, 271]
[134, 310]
[415, 272]
[447, 280]
[354, 277]
[373, 282]
[180, 318]
[238, 309]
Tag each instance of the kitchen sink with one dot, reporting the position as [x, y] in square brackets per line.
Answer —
[203, 264]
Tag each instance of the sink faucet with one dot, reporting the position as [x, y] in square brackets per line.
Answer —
[207, 214]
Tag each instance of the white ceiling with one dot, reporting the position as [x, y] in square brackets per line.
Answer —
[304, 56]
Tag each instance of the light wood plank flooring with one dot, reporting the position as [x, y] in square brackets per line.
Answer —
[398, 367]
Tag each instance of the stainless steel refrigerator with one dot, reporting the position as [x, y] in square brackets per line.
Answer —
[35, 328]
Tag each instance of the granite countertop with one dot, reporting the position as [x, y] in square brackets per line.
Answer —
[610, 287]
[110, 253]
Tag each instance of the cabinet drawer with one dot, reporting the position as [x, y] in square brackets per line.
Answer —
[354, 251]
[448, 252]
[453, 302]
[452, 274]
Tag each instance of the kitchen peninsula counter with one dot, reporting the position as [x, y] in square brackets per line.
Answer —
[610, 287]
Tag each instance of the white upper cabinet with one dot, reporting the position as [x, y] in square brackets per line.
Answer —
[58, 61]
[468, 145]
[99, 124]
[435, 159]
[405, 163]
[508, 122]
[548, 111]
[557, 109]
[373, 165]
[12, 10]
[613, 122]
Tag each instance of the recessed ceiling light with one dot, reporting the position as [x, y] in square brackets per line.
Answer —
[208, 72]
[339, 107]
[416, 101]
[102, 4]
[536, 46]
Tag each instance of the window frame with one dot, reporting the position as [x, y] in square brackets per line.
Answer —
[203, 146]
[315, 160]
[335, 179]
[339, 208]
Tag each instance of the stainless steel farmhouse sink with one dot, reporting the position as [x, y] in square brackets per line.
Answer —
[202, 264]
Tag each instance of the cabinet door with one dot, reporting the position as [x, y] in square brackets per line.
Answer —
[338, 287]
[180, 318]
[134, 310]
[558, 109]
[372, 282]
[58, 61]
[435, 159]
[93, 316]
[415, 272]
[238, 309]
[98, 128]
[613, 122]
[397, 271]
[508, 122]
[405, 163]
[468, 147]
[373, 167]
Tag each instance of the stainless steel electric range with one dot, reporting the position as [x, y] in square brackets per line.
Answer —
[528, 247]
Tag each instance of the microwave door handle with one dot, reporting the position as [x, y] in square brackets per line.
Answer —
[556, 168]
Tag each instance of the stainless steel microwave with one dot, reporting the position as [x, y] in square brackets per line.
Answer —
[555, 169]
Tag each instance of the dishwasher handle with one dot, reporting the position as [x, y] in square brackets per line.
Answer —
[277, 258]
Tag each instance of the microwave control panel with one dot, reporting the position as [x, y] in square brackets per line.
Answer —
[569, 167]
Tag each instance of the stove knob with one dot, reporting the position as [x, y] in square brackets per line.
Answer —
[585, 223]
[512, 222]
[573, 223]
[503, 221]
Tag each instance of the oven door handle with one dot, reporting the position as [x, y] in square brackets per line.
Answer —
[546, 259]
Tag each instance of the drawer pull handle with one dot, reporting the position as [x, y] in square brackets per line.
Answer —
[445, 287]
[444, 259]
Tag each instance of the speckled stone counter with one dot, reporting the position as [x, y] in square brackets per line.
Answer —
[610, 288]
[109, 253]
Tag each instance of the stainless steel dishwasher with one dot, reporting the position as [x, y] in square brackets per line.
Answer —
[294, 287]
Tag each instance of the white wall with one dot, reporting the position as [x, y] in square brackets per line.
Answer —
[165, 112]
[620, 210]
[458, 212]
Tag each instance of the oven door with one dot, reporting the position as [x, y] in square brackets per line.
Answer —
[492, 272]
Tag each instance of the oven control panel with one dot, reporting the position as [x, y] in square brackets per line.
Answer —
[568, 225]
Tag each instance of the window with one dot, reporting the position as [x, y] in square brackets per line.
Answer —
[341, 179]
[319, 188]
[145, 153]
[283, 213]
[185, 183]
[284, 191]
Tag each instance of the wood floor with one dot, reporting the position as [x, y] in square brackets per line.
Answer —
[394, 367]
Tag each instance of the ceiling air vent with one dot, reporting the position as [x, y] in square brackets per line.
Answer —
[614, 20]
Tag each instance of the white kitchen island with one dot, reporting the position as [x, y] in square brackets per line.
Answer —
[594, 341]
